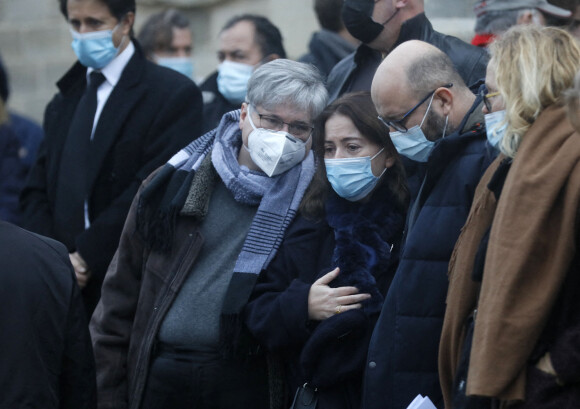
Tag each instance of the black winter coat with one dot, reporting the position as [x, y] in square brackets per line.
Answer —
[45, 348]
[330, 354]
[150, 115]
[325, 49]
[402, 359]
[12, 174]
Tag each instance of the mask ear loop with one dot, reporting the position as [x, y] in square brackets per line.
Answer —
[390, 18]
[427, 111]
[377, 154]
[250, 117]
[445, 128]
[251, 123]
[385, 169]
[123, 40]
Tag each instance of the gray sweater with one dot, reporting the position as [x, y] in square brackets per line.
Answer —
[193, 319]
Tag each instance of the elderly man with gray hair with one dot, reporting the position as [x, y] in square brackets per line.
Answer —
[168, 331]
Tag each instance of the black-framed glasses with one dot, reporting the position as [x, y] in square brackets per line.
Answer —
[298, 129]
[486, 96]
[398, 124]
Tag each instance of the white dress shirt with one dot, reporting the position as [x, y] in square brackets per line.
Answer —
[112, 73]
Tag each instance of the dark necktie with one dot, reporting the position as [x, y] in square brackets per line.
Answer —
[72, 189]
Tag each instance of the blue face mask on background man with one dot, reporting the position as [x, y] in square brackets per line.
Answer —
[94, 49]
[352, 178]
[182, 65]
[233, 80]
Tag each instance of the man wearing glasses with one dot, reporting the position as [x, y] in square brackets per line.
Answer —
[168, 331]
[436, 120]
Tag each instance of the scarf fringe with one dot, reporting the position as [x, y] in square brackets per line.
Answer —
[158, 230]
[230, 334]
[235, 338]
[165, 194]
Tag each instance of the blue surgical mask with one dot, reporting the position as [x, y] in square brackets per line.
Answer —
[94, 49]
[495, 126]
[413, 144]
[352, 178]
[182, 65]
[233, 80]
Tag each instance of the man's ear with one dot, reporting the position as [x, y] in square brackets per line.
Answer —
[127, 23]
[243, 114]
[399, 4]
[443, 100]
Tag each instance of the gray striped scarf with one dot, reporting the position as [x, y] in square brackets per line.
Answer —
[278, 198]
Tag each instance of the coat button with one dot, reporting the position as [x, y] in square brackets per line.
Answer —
[372, 365]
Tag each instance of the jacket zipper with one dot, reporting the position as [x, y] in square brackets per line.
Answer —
[151, 331]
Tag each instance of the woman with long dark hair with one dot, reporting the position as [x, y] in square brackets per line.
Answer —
[317, 302]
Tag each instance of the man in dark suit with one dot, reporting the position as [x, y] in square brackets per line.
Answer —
[116, 118]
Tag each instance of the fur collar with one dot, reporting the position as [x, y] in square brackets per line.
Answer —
[365, 235]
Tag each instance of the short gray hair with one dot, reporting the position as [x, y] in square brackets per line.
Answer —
[289, 82]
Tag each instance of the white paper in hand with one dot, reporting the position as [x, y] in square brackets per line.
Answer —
[421, 402]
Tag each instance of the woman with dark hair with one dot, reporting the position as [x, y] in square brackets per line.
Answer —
[317, 302]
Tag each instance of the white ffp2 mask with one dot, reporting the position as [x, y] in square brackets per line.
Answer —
[274, 151]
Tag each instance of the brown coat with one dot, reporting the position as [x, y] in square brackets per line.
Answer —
[139, 288]
[462, 293]
[531, 247]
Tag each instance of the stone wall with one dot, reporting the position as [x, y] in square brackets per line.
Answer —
[35, 41]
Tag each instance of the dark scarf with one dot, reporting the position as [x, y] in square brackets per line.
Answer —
[365, 235]
[183, 187]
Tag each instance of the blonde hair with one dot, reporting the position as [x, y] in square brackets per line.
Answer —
[572, 95]
[533, 67]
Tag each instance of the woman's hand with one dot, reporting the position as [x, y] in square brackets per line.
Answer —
[325, 301]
